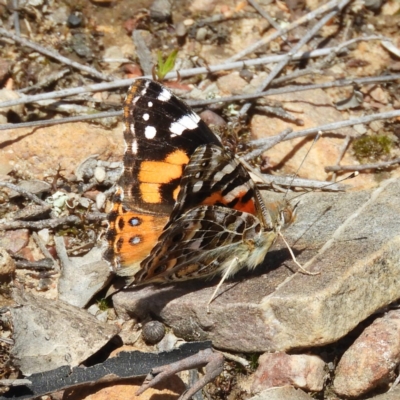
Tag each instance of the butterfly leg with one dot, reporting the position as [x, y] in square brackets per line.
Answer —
[227, 272]
[304, 271]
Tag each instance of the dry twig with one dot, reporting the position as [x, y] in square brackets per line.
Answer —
[53, 54]
[45, 223]
[24, 193]
[362, 167]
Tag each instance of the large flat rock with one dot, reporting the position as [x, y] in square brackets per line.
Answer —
[352, 239]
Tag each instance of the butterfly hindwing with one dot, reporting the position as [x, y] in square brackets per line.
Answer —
[203, 242]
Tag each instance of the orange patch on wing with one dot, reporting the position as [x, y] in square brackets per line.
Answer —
[214, 199]
[248, 207]
[178, 157]
[136, 242]
[159, 172]
[217, 198]
[150, 192]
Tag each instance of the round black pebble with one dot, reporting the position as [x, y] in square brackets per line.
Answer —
[153, 332]
[74, 20]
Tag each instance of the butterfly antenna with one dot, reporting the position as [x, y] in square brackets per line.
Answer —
[317, 136]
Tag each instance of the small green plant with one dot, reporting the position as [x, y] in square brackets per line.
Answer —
[372, 147]
[164, 65]
[103, 304]
[253, 360]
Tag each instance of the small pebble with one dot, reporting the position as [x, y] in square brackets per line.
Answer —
[211, 118]
[153, 332]
[180, 30]
[160, 10]
[100, 174]
[93, 309]
[188, 22]
[100, 200]
[80, 45]
[84, 202]
[201, 34]
[75, 20]
[246, 74]
[44, 235]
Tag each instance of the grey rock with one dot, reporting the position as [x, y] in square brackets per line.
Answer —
[75, 19]
[81, 277]
[352, 239]
[50, 333]
[80, 44]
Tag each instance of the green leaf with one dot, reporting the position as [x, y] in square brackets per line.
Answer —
[165, 65]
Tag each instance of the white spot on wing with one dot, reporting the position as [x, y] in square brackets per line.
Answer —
[165, 95]
[197, 187]
[189, 121]
[132, 129]
[150, 104]
[146, 117]
[134, 147]
[150, 132]
[135, 240]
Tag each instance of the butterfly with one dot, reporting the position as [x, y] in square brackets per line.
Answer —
[185, 207]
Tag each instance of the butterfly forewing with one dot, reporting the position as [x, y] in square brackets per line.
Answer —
[161, 133]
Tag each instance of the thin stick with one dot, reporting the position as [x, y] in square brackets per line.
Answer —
[44, 264]
[362, 167]
[304, 271]
[277, 139]
[343, 150]
[49, 122]
[54, 54]
[24, 193]
[17, 26]
[46, 223]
